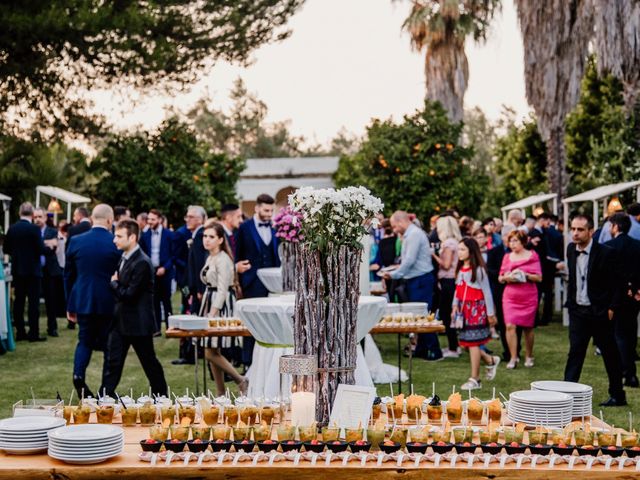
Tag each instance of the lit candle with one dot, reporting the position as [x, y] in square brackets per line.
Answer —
[303, 408]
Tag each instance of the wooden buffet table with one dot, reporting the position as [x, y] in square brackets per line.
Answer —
[128, 465]
[242, 331]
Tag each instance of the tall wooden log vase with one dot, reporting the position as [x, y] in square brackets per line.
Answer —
[287, 252]
[326, 282]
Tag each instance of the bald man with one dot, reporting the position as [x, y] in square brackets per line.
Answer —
[92, 258]
[416, 270]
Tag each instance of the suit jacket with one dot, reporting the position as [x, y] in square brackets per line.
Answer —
[77, 229]
[92, 258]
[248, 247]
[601, 280]
[494, 263]
[133, 291]
[180, 252]
[24, 244]
[166, 249]
[197, 258]
[51, 265]
[627, 269]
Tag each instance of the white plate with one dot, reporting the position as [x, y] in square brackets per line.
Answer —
[86, 433]
[88, 446]
[83, 461]
[23, 442]
[23, 451]
[97, 453]
[30, 424]
[92, 441]
[560, 386]
[538, 396]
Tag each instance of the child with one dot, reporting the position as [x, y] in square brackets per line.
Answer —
[473, 311]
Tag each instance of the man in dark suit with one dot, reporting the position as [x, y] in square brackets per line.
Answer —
[81, 224]
[591, 300]
[25, 246]
[194, 288]
[134, 323]
[628, 273]
[257, 243]
[157, 244]
[91, 260]
[51, 271]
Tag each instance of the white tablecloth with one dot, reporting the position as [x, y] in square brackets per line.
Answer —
[271, 278]
[270, 321]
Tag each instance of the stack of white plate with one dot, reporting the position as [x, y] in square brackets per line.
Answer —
[533, 407]
[85, 444]
[23, 435]
[582, 394]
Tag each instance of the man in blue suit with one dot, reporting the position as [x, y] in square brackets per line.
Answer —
[92, 258]
[25, 245]
[157, 243]
[256, 242]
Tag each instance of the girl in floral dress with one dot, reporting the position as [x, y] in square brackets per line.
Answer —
[473, 311]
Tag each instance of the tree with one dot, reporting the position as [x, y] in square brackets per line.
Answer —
[521, 161]
[617, 30]
[441, 28]
[416, 165]
[53, 51]
[167, 170]
[26, 164]
[602, 138]
[556, 35]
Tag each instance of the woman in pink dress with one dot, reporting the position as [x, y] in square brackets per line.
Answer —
[520, 272]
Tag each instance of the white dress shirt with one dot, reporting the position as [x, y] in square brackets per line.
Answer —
[156, 235]
[582, 270]
[264, 232]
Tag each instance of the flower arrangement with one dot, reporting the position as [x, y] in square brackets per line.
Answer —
[338, 217]
[288, 225]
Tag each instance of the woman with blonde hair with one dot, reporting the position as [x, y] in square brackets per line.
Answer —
[447, 259]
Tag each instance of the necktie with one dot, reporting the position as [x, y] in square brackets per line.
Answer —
[232, 243]
[42, 261]
[121, 264]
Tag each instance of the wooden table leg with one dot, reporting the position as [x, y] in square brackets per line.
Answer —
[399, 363]
[195, 353]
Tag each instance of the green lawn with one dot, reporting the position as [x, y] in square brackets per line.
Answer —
[47, 367]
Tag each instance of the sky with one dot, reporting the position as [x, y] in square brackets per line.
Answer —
[346, 62]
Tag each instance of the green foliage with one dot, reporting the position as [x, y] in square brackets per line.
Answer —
[521, 161]
[168, 170]
[417, 165]
[602, 138]
[52, 51]
[27, 164]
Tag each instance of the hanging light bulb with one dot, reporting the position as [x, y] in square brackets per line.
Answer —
[538, 211]
[614, 206]
[54, 206]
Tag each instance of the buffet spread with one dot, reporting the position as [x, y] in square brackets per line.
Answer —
[411, 432]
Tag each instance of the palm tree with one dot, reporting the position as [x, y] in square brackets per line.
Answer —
[617, 43]
[556, 35]
[441, 28]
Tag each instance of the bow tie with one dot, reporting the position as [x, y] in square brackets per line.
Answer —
[264, 224]
[582, 252]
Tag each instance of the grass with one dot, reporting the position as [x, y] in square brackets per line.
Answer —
[47, 368]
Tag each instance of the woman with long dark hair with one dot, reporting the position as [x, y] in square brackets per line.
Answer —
[218, 275]
[473, 311]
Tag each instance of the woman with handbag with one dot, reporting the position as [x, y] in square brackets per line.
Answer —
[473, 312]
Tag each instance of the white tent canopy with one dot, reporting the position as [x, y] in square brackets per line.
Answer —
[60, 194]
[531, 201]
[595, 196]
[6, 201]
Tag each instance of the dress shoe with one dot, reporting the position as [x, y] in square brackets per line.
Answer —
[37, 339]
[71, 325]
[614, 402]
[632, 382]
[81, 387]
[53, 333]
[21, 337]
[181, 361]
